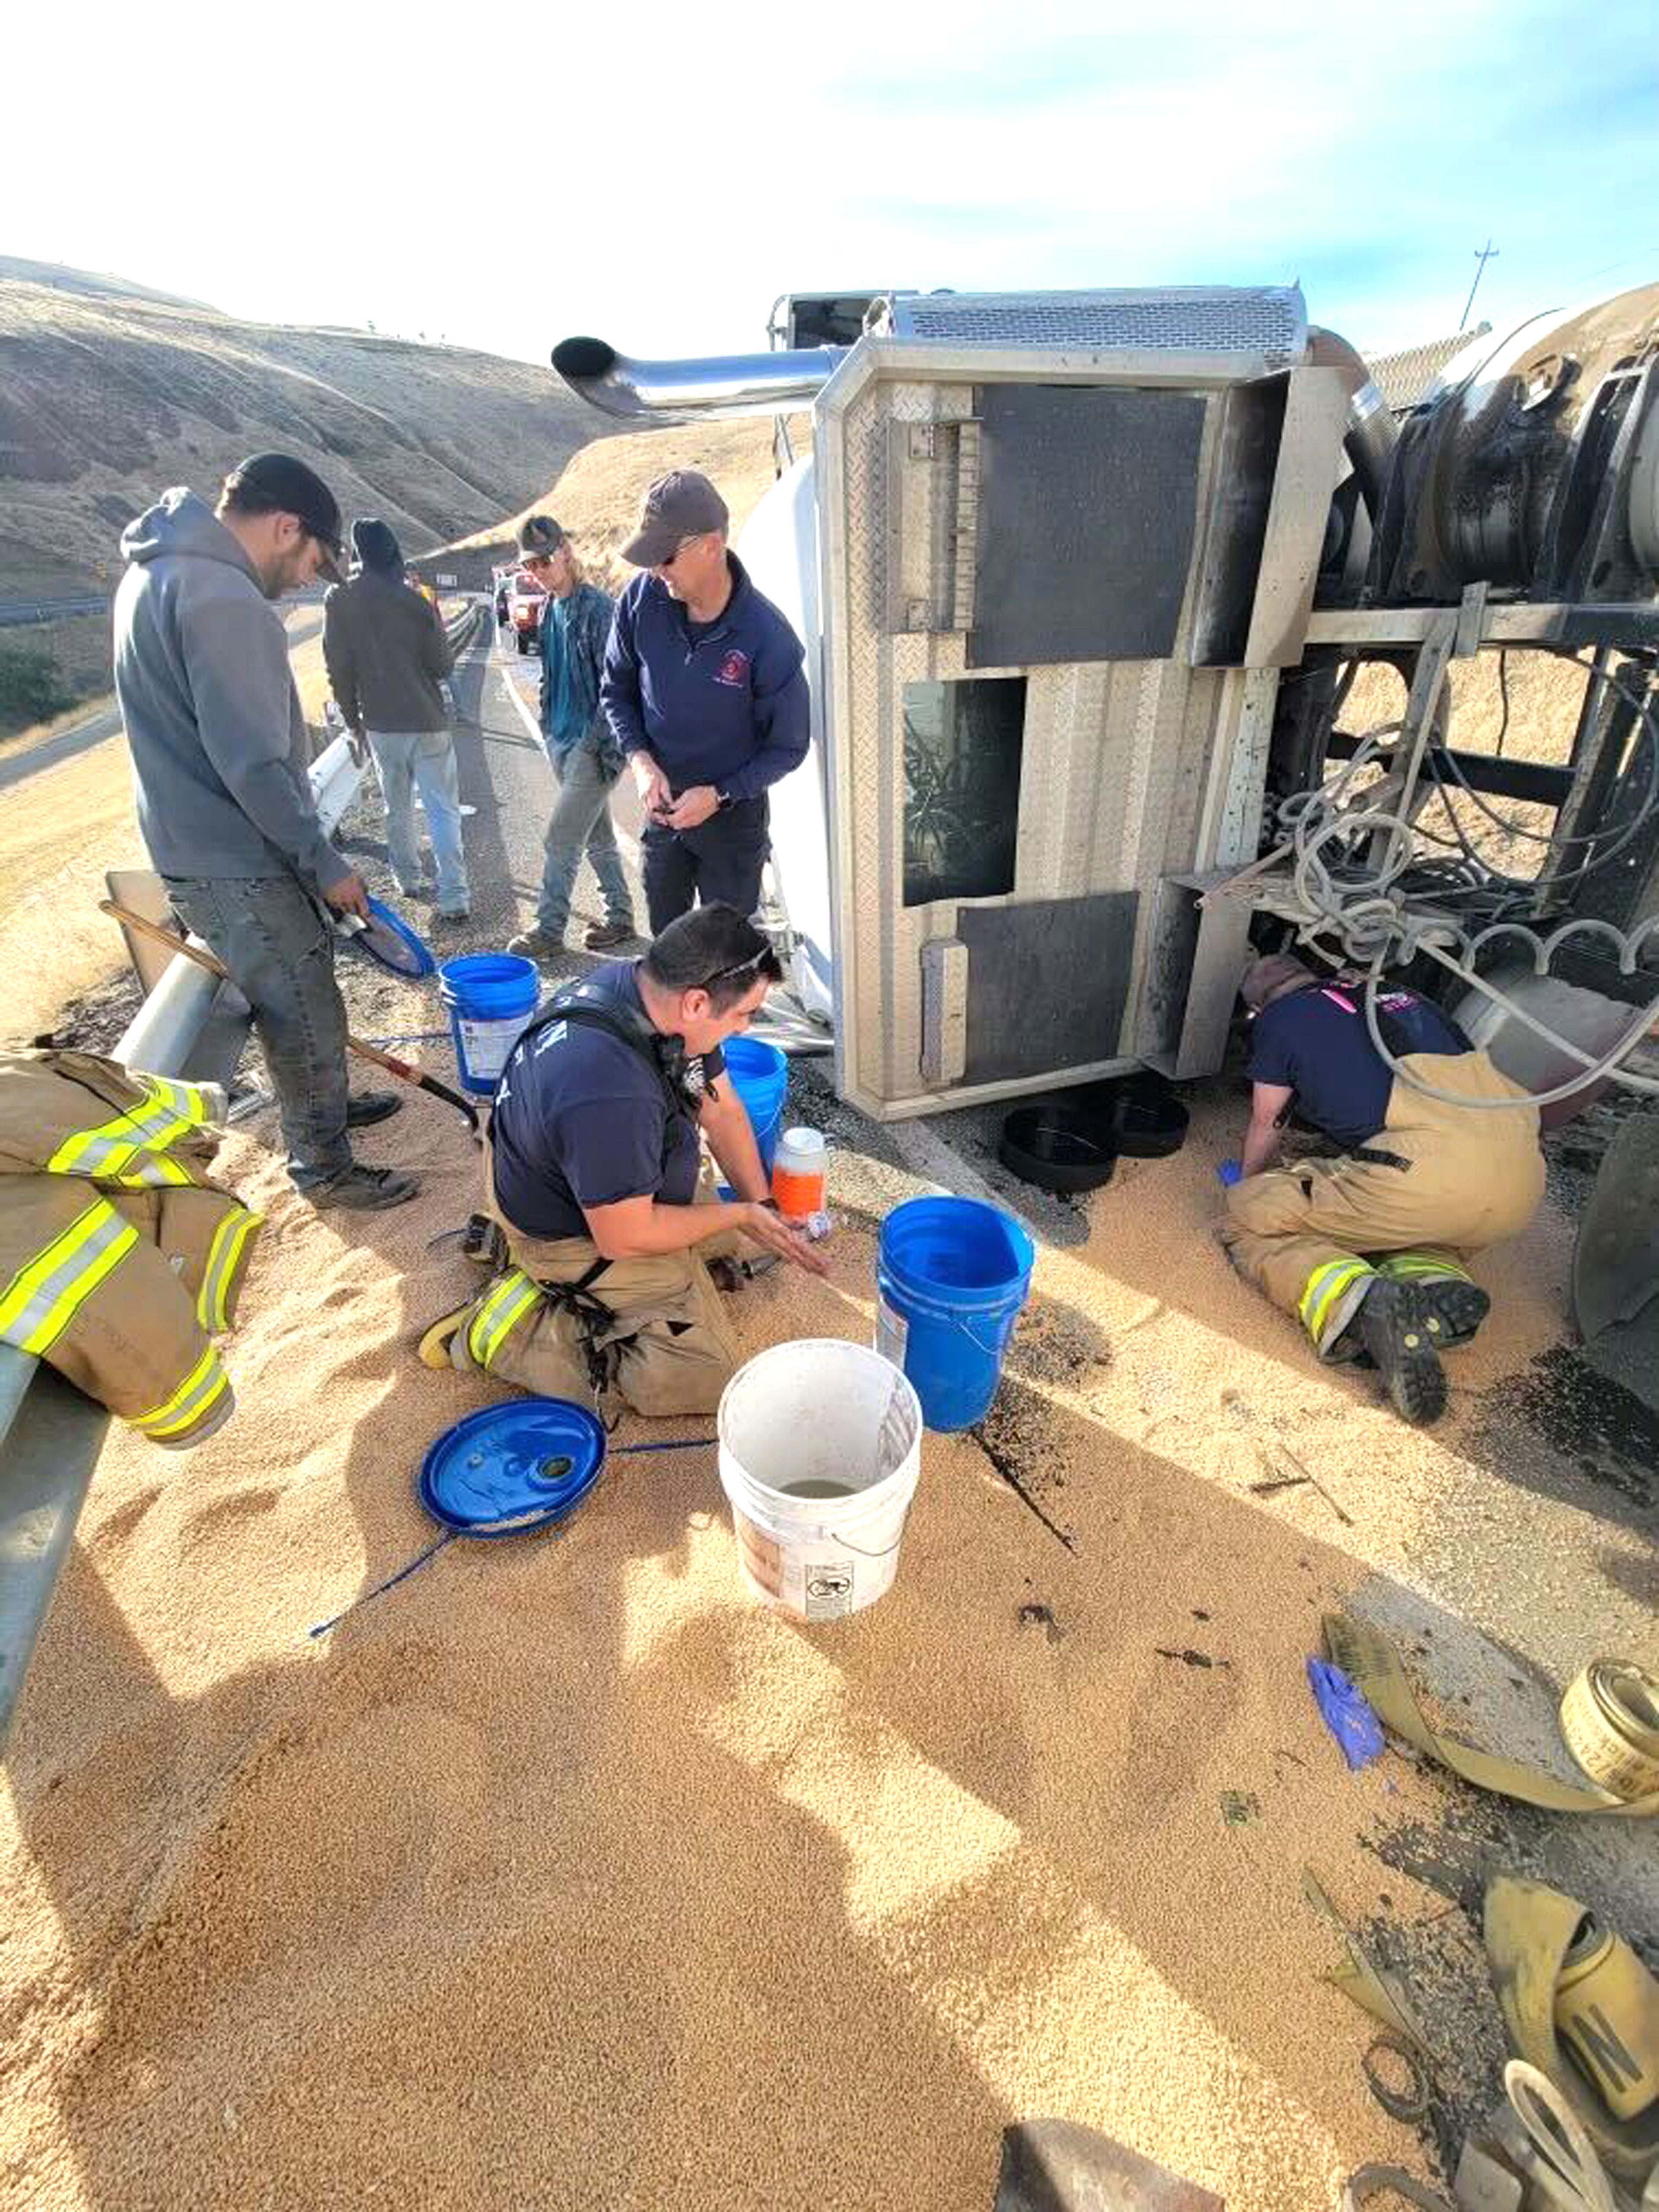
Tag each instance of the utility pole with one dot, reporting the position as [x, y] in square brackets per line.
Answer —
[1488, 253]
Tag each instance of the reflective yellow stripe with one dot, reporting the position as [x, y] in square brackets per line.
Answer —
[130, 1150]
[506, 1304]
[205, 1381]
[1406, 1264]
[224, 1257]
[1324, 1286]
[41, 1298]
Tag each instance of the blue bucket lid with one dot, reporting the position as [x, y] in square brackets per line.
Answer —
[391, 943]
[510, 1468]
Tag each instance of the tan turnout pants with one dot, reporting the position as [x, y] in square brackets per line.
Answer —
[1315, 1237]
[674, 1348]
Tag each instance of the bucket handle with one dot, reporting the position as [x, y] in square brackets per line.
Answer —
[823, 1536]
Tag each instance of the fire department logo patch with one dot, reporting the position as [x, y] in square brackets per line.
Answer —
[733, 670]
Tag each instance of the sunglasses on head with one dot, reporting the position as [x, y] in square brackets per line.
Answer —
[753, 963]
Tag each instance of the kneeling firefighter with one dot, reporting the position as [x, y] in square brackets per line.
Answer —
[592, 1171]
[1368, 1250]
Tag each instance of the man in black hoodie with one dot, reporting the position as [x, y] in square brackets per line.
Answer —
[386, 655]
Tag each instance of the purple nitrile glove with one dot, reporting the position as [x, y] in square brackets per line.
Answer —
[1345, 1712]
[1229, 1173]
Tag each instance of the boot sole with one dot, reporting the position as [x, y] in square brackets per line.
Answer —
[1460, 1309]
[1403, 1338]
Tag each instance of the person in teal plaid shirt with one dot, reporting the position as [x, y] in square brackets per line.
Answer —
[586, 758]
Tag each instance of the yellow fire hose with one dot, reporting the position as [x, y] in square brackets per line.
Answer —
[1609, 1722]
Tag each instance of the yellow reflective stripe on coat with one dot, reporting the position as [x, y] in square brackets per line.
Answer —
[40, 1300]
[1323, 1288]
[224, 1257]
[205, 1381]
[131, 1148]
[506, 1305]
[1404, 1265]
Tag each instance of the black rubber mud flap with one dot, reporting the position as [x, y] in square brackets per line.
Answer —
[1615, 1261]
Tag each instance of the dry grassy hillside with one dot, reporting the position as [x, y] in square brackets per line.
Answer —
[597, 497]
[106, 397]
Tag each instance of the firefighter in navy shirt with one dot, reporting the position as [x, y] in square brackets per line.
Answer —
[704, 690]
[593, 1171]
[1368, 1249]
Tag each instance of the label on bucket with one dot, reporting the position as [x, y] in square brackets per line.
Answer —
[487, 1044]
[828, 1589]
[892, 1332]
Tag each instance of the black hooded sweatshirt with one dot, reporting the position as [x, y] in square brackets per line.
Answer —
[383, 644]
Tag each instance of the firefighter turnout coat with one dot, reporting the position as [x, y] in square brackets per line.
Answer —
[120, 1260]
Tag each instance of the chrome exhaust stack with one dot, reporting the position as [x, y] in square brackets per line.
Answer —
[685, 391]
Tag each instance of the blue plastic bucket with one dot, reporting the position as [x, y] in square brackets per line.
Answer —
[760, 1076]
[488, 997]
[951, 1275]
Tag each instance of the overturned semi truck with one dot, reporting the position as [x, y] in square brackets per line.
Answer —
[1084, 577]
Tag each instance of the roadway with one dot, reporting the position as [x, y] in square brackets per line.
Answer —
[303, 618]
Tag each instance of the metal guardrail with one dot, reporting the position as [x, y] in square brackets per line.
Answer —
[189, 1025]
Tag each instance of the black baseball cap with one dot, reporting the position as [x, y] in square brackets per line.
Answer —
[539, 533]
[280, 484]
[680, 505]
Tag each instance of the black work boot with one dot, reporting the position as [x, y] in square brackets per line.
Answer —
[1403, 1337]
[364, 1190]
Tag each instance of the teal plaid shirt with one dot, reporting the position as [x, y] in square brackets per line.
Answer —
[575, 631]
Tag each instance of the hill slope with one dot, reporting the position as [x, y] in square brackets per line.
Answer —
[597, 497]
[107, 397]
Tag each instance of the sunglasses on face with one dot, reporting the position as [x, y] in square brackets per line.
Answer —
[668, 559]
[538, 561]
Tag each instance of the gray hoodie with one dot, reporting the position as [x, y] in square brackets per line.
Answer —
[220, 752]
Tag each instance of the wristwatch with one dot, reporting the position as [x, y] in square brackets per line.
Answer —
[724, 802]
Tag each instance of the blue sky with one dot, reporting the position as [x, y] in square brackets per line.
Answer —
[656, 175]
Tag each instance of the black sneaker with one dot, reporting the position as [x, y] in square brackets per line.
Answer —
[1458, 1307]
[364, 1190]
[371, 1106]
[1403, 1338]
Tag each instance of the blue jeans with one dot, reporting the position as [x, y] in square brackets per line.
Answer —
[427, 758]
[271, 935]
[581, 823]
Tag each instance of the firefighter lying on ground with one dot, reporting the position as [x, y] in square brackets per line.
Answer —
[593, 1170]
[121, 1257]
[1368, 1250]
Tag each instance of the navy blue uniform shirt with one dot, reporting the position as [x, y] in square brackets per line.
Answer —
[1315, 1040]
[581, 1119]
[722, 702]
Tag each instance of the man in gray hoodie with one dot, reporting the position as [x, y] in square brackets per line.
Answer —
[386, 655]
[220, 757]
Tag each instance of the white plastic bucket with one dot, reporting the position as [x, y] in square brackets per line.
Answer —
[820, 1445]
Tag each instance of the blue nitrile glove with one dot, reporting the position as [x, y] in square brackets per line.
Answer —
[1229, 1173]
[1345, 1712]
